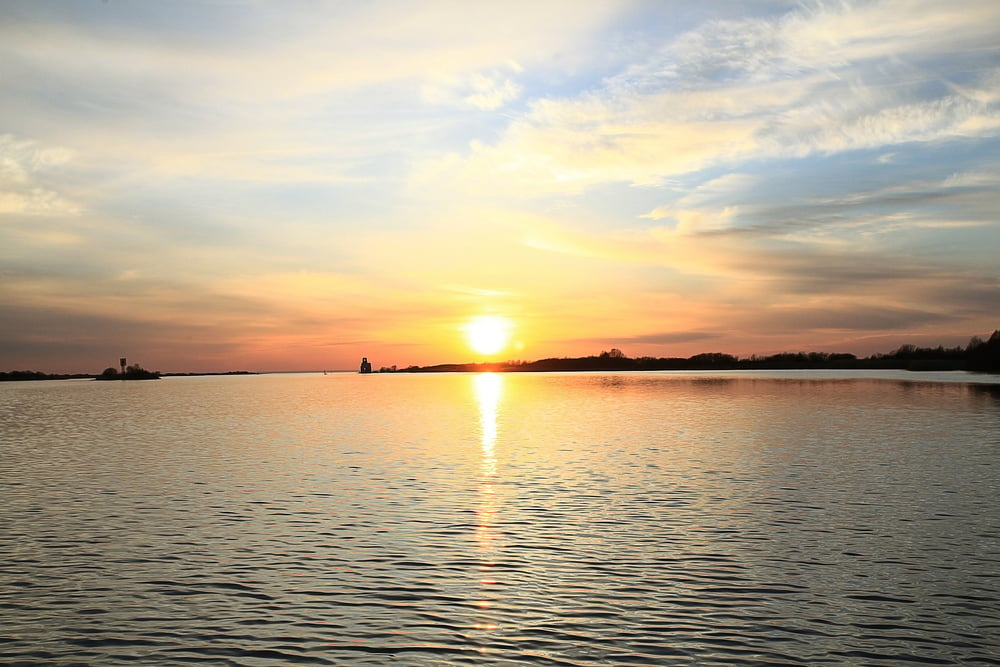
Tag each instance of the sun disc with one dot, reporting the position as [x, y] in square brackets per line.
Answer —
[488, 334]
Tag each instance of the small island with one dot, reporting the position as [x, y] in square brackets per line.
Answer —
[133, 372]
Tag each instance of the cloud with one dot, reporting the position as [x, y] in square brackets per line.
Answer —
[224, 54]
[483, 90]
[329, 95]
[672, 337]
[845, 317]
[490, 92]
[25, 168]
[837, 79]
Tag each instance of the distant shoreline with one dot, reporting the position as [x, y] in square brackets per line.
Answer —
[28, 376]
[590, 364]
[168, 375]
[978, 356]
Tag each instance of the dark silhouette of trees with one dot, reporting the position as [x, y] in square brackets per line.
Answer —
[916, 358]
[137, 372]
[19, 376]
[977, 356]
[713, 360]
[984, 357]
[133, 372]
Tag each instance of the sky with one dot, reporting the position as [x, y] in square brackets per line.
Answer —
[222, 185]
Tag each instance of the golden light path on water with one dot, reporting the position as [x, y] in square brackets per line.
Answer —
[488, 388]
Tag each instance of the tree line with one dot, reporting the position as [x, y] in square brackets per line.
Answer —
[133, 372]
[978, 355]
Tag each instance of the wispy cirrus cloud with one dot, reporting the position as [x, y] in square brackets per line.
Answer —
[835, 79]
[483, 90]
[25, 172]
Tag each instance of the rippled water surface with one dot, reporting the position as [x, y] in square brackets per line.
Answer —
[540, 519]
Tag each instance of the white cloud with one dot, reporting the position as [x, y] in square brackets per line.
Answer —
[23, 168]
[835, 79]
[247, 54]
[484, 90]
[975, 179]
[251, 93]
[490, 92]
[19, 158]
[35, 201]
[832, 125]
[711, 206]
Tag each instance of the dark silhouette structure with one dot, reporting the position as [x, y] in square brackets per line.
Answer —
[133, 372]
[366, 366]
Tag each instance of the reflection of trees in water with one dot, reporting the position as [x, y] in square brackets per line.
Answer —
[986, 390]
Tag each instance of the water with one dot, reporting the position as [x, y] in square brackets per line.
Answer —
[523, 519]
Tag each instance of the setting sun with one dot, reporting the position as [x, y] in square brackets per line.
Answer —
[488, 334]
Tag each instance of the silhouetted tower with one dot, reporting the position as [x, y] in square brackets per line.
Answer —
[122, 362]
[366, 366]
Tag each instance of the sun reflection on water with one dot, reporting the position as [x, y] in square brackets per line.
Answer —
[488, 389]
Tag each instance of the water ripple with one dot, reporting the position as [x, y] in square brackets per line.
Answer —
[543, 520]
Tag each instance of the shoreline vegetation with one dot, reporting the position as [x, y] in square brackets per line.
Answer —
[133, 372]
[130, 374]
[978, 356]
